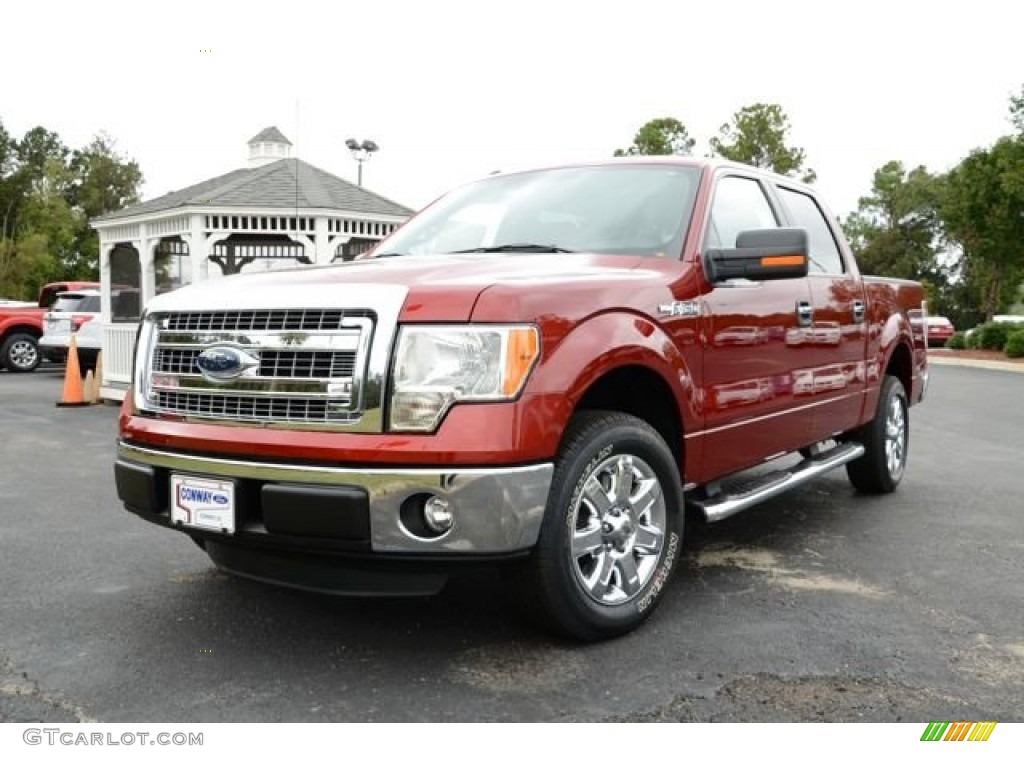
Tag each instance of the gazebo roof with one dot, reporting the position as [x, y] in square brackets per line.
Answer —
[270, 134]
[286, 184]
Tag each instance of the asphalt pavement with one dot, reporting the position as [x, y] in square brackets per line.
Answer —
[822, 605]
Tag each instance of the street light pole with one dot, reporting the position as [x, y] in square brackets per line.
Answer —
[361, 152]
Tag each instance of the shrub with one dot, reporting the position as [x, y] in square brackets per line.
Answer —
[994, 335]
[974, 339]
[957, 341]
[1015, 344]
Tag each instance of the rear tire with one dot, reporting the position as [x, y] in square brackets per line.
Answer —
[20, 353]
[612, 530]
[886, 440]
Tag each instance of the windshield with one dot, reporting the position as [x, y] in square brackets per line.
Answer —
[626, 209]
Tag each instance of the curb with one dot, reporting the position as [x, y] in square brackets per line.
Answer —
[991, 365]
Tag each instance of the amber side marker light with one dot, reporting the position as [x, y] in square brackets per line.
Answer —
[782, 261]
[523, 347]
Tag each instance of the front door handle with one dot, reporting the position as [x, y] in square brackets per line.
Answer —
[804, 314]
[858, 311]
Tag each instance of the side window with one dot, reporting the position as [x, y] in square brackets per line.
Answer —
[806, 213]
[739, 205]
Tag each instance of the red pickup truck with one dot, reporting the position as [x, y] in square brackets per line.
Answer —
[22, 327]
[541, 370]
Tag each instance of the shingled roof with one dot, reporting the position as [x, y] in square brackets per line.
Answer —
[285, 184]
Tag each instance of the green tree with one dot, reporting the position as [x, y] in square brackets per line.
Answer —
[757, 136]
[102, 182]
[25, 266]
[661, 136]
[895, 229]
[896, 232]
[1017, 111]
[47, 196]
[9, 194]
[38, 149]
[982, 215]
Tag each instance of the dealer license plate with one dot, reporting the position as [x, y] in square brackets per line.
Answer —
[201, 502]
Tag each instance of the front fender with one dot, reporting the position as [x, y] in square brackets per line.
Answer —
[608, 341]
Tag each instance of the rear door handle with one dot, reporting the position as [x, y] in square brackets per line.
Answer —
[858, 311]
[804, 314]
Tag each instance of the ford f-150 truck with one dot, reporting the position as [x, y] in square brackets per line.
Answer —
[21, 327]
[541, 370]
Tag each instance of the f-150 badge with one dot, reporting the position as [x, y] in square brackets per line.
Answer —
[680, 309]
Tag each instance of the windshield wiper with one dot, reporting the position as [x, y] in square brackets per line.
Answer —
[387, 255]
[517, 247]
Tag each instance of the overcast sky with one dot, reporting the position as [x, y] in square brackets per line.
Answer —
[452, 91]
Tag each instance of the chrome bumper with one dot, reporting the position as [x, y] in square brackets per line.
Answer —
[496, 509]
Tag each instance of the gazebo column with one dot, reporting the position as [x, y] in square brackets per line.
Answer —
[198, 249]
[147, 269]
[105, 281]
[322, 249]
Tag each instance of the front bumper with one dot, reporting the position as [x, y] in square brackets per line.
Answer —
[295, 508]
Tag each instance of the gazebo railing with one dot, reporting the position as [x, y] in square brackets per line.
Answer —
[118, 346]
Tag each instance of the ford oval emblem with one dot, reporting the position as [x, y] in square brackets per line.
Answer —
[223, 363]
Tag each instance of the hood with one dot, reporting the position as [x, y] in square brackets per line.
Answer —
[7, 310]
[437, 288]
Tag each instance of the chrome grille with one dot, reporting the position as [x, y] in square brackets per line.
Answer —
[263, 320]
[273, 363]
[244, 408]
[311, 365]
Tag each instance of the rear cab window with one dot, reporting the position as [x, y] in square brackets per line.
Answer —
[804, 212]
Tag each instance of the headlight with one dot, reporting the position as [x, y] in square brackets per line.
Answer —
[438, 365]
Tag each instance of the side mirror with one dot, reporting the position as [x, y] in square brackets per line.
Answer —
[761, 254]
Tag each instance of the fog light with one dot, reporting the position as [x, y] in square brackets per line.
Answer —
[437, 514]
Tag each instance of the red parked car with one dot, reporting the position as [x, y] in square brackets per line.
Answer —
[22, 326]
[939, 331]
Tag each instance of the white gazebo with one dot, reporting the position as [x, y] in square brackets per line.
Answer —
[277, 211]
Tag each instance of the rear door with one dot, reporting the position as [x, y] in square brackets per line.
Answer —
[755, 405]
[833, 350]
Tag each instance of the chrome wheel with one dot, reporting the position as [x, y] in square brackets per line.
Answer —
[896, 437]
[618, 529]
[886, 441]
[23, 354]
[20, 353]
[612, 529]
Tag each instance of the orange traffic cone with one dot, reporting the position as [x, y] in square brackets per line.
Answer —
[72, 379]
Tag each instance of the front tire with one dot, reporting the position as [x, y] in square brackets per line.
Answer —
[612, 529]
[886, 439]
[20, 353]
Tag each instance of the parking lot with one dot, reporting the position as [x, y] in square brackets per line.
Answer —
[822, 605]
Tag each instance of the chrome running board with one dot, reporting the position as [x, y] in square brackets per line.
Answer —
[723, 505]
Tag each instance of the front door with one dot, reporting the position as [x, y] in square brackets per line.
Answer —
[756, 397]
